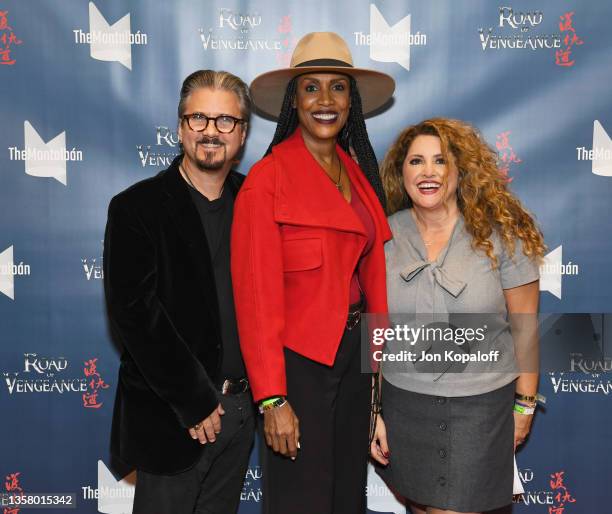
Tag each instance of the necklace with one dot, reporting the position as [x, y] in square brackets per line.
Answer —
[337, 182]
[421, 230]
[184, 172]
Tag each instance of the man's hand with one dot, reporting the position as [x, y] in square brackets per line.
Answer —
[281, 430]
[206, 429]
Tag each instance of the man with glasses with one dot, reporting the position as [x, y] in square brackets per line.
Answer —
[183, 412]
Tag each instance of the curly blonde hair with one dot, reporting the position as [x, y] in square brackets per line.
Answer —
[483, 196]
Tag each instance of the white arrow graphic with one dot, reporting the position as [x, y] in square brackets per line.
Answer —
[7, 279]
[389, 43]
[380, 498]
[602, 145]
[550, 272]
[115, 496]
[110, 42]
[44, 159]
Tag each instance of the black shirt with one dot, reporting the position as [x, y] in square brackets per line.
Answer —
[216, 216]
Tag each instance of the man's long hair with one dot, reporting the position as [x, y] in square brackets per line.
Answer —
[352, 136]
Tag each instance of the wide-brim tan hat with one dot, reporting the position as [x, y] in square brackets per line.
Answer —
[324, 52]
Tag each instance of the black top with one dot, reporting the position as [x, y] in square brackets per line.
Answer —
[216, 216]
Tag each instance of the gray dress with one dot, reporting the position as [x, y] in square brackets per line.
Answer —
[451, 433]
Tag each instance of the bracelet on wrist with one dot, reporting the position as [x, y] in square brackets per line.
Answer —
[523, 403]
[536, 398]
[521, 409]
[271, 403]
[526, 397]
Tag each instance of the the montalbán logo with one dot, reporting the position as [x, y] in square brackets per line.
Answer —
[379, 496]
[390, 43]
[9, 270]
[47, 160]
[552, 271]
[113, 496]
[108, 42]
[600, 154]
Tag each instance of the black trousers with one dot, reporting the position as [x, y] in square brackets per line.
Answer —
[214, 484]
[333, 407]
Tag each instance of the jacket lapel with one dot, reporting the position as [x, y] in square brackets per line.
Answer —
[367, 195]
[183, 212]
[304, 193]
[185, 218]
[234, 182]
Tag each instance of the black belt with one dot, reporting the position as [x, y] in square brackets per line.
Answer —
[234, 386]
[354, 315]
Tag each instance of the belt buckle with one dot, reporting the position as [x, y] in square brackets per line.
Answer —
[353, 320]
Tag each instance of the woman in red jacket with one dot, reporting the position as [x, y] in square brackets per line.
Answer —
[307, 260]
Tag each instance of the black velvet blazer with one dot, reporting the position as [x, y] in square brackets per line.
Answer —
[162, 306]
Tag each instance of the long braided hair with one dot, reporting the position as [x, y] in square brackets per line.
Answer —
[352, 136]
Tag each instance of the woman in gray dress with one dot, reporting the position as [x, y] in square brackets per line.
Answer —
[462, 244]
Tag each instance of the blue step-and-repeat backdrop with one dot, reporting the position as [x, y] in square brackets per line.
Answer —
[88, 97]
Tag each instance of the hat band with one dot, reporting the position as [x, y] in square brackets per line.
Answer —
[324, 62]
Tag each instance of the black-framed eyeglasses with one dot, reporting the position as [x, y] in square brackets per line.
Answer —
[224, 123]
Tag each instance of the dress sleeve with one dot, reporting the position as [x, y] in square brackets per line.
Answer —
[518, 269]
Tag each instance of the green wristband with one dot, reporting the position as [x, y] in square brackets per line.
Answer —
[272, 403]
[269, 401]
[521, 409]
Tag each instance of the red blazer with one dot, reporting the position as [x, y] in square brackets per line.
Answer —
[295, 245]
